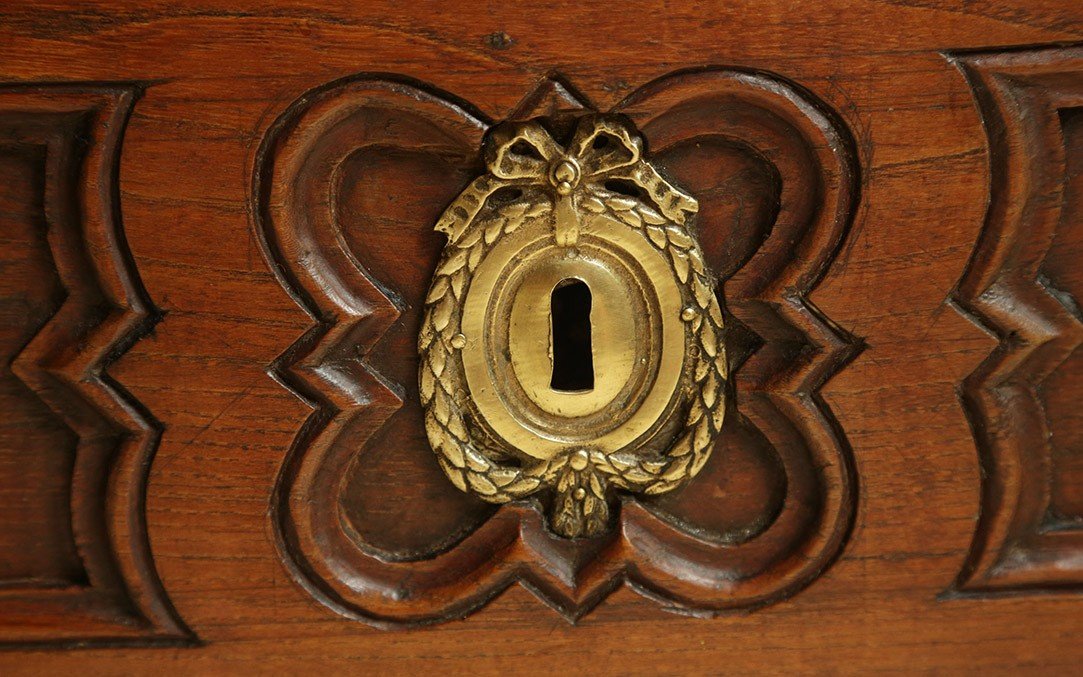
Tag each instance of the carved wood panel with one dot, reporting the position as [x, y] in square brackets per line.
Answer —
[75, 449]
[1022, 286]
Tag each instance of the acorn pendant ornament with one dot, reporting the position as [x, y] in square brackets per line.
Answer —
[571, 343]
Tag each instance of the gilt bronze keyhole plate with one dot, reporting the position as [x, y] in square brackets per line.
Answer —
[571, 348]
[498, 427]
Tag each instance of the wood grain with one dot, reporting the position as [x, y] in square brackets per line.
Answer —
[219, 74]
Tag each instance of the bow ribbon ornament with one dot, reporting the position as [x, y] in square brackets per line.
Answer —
[524, 154]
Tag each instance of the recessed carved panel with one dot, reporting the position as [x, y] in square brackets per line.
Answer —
[1023, 286]
[75, 446]
[350, 182]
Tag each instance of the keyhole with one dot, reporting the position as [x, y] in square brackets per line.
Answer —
[573, 357]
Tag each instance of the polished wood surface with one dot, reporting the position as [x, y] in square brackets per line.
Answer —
[218, 238]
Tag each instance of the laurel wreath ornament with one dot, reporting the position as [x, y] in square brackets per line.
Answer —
[566, 186]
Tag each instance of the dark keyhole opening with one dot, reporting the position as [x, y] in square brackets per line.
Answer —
[573, 357]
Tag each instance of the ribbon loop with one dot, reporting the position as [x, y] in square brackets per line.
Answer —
[521, 151]
[525, 154]
[604, 144]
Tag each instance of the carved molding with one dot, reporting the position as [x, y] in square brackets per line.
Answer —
[348, 185]
[61, 145]
[1015, 288]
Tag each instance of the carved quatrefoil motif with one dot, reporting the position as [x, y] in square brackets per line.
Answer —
[349, 183]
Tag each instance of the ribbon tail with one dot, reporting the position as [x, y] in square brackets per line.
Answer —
[462, 211]
[674, 204]
[566, 221]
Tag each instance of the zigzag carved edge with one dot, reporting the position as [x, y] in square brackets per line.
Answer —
[106, 310]
[1018, 94]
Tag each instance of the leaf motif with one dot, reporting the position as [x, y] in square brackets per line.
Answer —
[680, 264]
[708, 340]
[515, 210]
[475, 257]
[481, 484]
[588, 505]
[453, 454]
[476, 461]
[657, 236]
[503, 476]
[651, 216]
[682, 447]
[470, 238]
[631, 218]
[710, 390]
[695, 257]
[703, 292]
[679, 237]
[426, 385]
[596, 485]
[438, 289]
[457, 428]
[592, 204]
[440, 408]
[619, 203]
[697, 464]
[655, 489]
[493, 230]
[425, 336]
[453, 474]
[441, 313]
[702, 367]
[716, 314]
[653, 467]
[523, 487]
[718, 417]
[455, 261]
[702, 434]
[457, 283]
[437, 361]
[676, 469]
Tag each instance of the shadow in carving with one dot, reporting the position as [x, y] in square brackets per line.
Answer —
[1022, 286]
[77, 446]
[348, 185]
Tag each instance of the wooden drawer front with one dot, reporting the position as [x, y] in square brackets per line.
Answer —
[223, 262]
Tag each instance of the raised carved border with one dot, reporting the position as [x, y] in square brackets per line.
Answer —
[1019, 94]
[327, 368]
[66, 364]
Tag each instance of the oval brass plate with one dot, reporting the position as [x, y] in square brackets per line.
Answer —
[638, 356]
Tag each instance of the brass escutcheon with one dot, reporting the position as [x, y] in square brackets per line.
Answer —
[590, 232]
